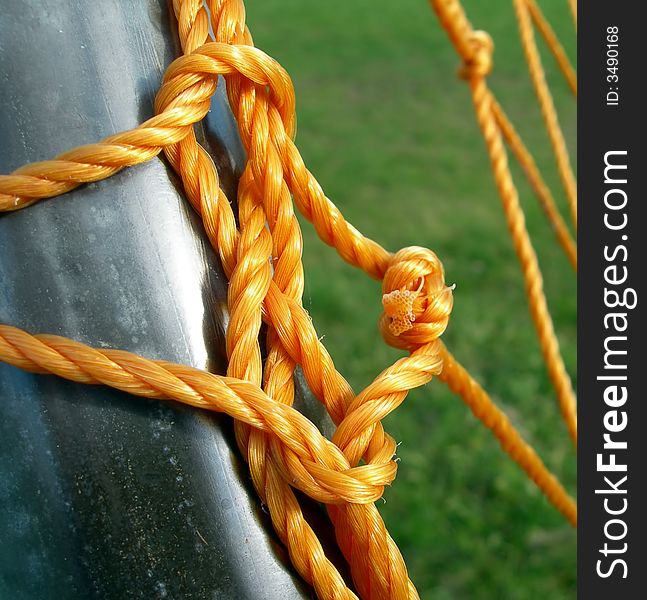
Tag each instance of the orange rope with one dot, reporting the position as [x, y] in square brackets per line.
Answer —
[262, 259]
[475, 48]
[573, 7]
[527, 163]
[460, 382]
[327, 475]
[546, 104]
[286, 514]
[526, 255]
[554, 45]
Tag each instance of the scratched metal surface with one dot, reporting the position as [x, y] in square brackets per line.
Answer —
[103, 495]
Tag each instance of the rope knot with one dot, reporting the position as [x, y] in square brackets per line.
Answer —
[416, 301]
[479, 62]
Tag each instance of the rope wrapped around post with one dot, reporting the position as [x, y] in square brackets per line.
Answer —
[261, 255]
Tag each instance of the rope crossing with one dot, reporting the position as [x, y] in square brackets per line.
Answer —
[261, 257]
[475, 48]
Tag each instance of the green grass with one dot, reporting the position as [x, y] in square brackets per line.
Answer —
[389, 131]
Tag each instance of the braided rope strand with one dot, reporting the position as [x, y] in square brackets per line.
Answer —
[554, 45]
[548, 111]
[475, 49]
[262, 260]
[533, 175]
[527, 257]
[460, 382]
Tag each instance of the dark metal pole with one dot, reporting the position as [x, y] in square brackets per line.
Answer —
[103, 495]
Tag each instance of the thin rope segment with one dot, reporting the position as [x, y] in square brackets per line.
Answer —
[262, 260]
[527, 163]
[548, 111]
[461, 382]
[526, 254]
[554, 45]
[227, 20]
[475, 49]
[476, 66]
[573, 6]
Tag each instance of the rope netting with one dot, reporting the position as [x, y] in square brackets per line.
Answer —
[261, 257]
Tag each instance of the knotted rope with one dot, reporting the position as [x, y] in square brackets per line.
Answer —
[262, 260]
[475, 50]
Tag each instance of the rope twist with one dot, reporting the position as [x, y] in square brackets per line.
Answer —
[261, 256]
[416, 301]
[478, 62]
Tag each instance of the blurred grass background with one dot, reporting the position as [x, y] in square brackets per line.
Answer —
[388, 129]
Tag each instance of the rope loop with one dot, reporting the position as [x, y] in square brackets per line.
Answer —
[416, 301]
[286, 451]
[478, 63]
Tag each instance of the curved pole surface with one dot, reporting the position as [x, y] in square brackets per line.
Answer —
[103, 495]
